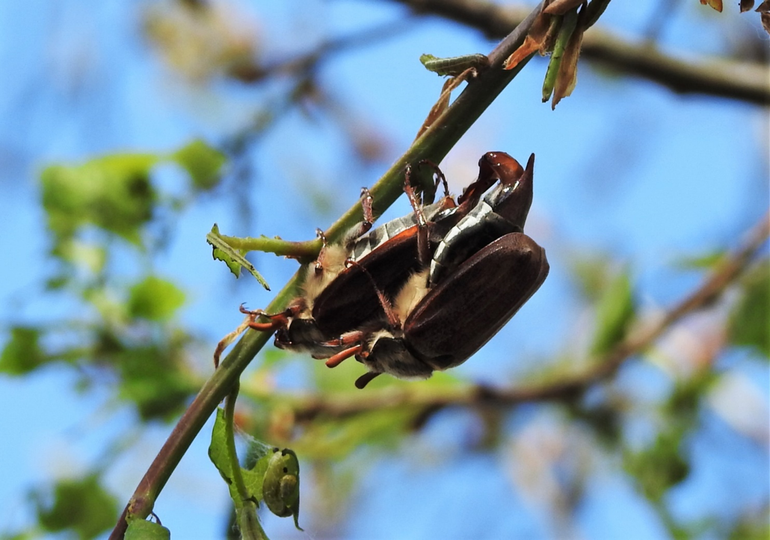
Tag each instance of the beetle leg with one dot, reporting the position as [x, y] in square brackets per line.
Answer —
[423, 247]
[271, 326]
[277, 320]
[338, 358]
[366, 208]
[366, 378]
[348, 338]
[229, 338]
[393, 320]
[440, 178]
[318, 263]
[364, 226]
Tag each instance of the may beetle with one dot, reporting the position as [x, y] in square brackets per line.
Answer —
[481, 274]
[342, 290]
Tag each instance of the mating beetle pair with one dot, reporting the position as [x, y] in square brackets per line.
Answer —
[424, 292]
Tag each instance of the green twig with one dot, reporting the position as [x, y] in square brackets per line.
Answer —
[434, 144]
[246, 508]
[304, 251]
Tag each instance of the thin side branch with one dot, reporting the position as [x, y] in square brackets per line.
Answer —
[720, 77]
[308, 407]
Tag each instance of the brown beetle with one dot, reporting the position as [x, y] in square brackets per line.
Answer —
[482, 272]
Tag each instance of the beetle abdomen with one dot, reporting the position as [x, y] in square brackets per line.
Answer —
[484, 293]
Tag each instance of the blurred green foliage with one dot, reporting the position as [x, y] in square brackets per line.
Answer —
[80, 505]
[750, 319]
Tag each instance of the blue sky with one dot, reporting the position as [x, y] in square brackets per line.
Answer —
[623, 166]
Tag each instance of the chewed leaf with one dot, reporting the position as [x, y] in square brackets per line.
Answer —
[231, 257]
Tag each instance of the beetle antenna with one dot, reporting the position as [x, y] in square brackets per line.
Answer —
[393, 320]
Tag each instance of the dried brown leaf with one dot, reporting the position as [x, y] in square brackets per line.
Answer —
[714, 4]
[441, 105]
[533, 42]
[746, 5]
[566, 79]
[764, 7]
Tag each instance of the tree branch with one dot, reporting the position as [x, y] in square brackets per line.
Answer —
[425, 400]
[731, 79]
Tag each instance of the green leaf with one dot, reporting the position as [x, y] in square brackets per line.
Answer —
[152, 379]
[751, 527]
[88, 256]
[154, 299]
[659, 467]
[704, 261]
[683, 405]
[591, 273]
[202, 162]
[81, 505]
[140, 529]
[252, 478]
[22, 353]
[231, 257]
[112, 192]
[748, 325]
[568, 23]
[614, 313]
[245, 504]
